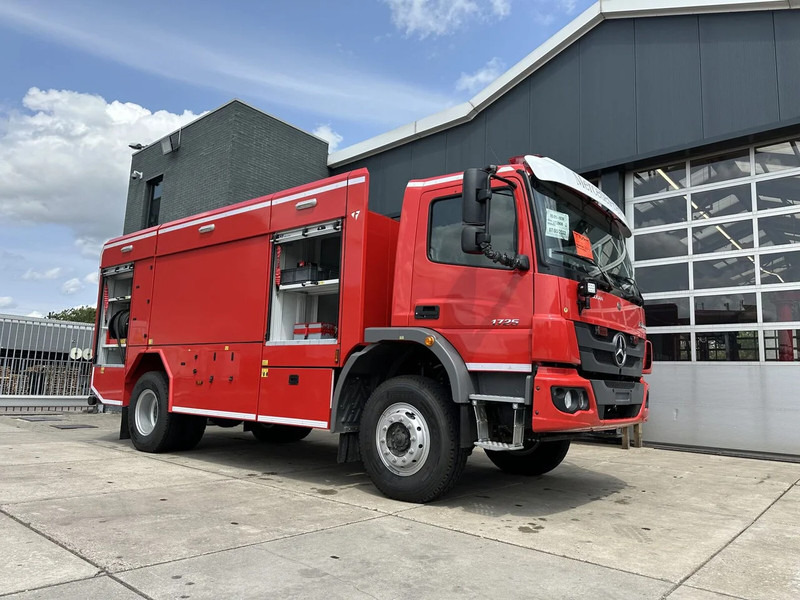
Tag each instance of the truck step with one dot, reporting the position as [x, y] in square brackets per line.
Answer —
[498, 446]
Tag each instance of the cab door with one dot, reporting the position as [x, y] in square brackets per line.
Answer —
[483, 308]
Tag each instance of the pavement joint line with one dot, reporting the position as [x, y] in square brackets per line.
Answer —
[694, 587]
[251, 544]
[731, 541]
[528, 548]
[51, 539]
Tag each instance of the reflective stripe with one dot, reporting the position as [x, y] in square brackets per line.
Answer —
[504, 367]
[319, 190]
[135, 238]
[288, 421]
[229, 213]
[213, 413]
[99, 397]
[356, 180]
[452, 178]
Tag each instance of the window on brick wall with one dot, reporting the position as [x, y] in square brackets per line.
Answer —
[154, 189]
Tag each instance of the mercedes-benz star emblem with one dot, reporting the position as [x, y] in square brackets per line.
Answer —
[620, 349]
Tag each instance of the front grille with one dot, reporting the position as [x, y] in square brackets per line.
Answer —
[597, 352]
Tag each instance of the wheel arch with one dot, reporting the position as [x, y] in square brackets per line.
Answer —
[388, 350]
[144, 363]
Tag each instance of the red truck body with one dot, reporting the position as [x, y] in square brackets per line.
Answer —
[292, 311]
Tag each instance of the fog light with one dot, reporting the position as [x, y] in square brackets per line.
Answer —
[570, 400]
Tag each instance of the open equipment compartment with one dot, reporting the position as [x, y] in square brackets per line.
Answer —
[305, 284]
[115, 307]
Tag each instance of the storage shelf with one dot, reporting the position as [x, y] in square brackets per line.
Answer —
[326, 286]
[119, 299]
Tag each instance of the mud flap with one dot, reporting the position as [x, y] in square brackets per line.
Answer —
[124, 433]
[349, 450]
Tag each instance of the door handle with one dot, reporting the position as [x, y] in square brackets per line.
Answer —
[429, 311]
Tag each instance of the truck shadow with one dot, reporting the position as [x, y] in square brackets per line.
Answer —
[310, 467]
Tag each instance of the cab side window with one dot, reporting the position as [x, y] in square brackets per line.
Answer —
[444, 230]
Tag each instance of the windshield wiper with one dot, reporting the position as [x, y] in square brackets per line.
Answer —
[591, 261]
[635, 294]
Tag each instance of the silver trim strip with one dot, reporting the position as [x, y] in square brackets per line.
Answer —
[213, 413]
[289, 421]
[500, 367]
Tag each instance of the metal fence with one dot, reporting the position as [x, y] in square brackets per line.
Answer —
[44, 377]
[44, 362]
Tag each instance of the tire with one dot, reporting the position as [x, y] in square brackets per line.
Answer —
[151, 426]
[409, 439]
[269, 433]
[192, 429]
[538, 459]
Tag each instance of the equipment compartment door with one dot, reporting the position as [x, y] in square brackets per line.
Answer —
[296, 396]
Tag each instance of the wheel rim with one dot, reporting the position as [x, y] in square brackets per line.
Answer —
[403, 439]
[146, 415]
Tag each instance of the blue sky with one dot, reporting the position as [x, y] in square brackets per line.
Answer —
[80, 80]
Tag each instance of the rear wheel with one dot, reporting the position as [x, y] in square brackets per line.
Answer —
[270, 433]
[409, 439]
[536, 459]
[192, 430]
[151, 426]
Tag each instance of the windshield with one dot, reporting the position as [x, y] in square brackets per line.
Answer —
[575, 235]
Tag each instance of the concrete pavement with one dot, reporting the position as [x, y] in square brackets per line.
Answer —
[84, 516]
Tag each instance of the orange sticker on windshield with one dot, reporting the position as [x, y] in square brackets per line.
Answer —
[583, 247]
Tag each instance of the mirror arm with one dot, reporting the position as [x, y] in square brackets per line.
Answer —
[518, 262]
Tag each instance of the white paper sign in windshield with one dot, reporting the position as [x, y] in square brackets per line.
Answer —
[557, 225]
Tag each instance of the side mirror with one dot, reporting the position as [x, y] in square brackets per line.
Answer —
[476, 190]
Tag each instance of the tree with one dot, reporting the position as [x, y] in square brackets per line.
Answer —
[82, 314]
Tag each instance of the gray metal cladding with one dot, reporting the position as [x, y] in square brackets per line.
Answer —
[628, 90]
[787, 51]
[557, 84]
[738, 71]
[607, 93]
[466, 145]
[669, 107]
[507, 126]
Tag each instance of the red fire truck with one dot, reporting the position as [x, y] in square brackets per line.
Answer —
[499, 312]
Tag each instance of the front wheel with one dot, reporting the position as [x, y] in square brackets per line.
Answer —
[537, 458]
[409, 439]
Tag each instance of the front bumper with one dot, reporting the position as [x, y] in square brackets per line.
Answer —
[612, 403]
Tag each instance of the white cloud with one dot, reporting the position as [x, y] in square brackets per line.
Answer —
[65, 161]
[71, 286]
[35, 313]
[32, 275]
[442, 17]
[329, 135]
[473, 82]
[501, 8]
[568, 6]
[7, 302]
[546, 12]
[92, 278]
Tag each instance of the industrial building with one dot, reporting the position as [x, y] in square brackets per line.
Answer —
[686, 113]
